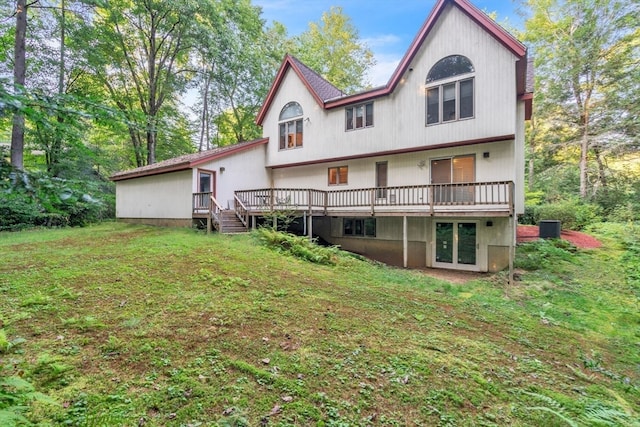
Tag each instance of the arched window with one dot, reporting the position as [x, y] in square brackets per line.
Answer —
[291, 126]
[450, 90]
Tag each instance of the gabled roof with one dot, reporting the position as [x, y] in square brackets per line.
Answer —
[320, 89]
[314, 82]
[187, 161]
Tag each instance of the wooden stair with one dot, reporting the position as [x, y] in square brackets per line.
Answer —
[230, 224]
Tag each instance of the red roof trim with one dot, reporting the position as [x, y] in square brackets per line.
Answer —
[479, 17]
[176, 167]
[472, 12]
[400, 151]
[287, 63]
[230, 151]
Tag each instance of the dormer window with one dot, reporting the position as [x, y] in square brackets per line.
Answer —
[449, 88]
[291, 126]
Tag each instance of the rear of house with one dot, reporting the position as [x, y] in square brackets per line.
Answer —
[426, 171]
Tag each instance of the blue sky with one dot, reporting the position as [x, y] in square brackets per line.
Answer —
[387, 26]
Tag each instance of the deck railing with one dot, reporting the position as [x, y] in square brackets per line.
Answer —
[201, 201]
[498, 194]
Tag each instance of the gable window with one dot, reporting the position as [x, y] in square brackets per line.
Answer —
[338, 175]
[359, 116]
[364, 227]
[291, 126]
[450, 90]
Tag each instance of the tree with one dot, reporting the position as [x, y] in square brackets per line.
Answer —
[19, 74]
[238, 59]
[138, 51]
[583, 50]
[332, 48]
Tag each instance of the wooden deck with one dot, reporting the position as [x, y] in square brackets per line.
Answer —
[441, 200]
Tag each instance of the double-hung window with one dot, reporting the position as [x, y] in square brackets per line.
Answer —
[291, 126]
[359, 116]
[450, 93]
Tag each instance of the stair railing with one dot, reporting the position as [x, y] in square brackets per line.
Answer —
[215, 212]
[241, 211]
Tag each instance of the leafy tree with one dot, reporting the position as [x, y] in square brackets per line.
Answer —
[139, 51]
[332, 48]
[237, 58]
[586, 52]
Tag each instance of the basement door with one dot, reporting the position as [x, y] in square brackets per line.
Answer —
[456, 245]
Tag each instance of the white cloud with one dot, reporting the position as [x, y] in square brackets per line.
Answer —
[380, 73]
[382, 41]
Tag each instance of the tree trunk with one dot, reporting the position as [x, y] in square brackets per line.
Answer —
[151, 140]
[584, 151]
[56, 149]
[19, 72]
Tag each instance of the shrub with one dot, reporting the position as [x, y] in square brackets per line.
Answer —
[298, 246]
[36, 199]
[573, 214]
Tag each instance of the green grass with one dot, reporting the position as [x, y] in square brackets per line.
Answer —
[121, 323]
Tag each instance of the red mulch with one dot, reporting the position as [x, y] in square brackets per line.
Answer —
[528, 233]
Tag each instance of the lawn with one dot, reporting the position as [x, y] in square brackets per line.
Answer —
[130, 325]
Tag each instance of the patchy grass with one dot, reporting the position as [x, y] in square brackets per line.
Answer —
[132, 325]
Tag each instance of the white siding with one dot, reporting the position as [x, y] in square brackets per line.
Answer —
[399, 119]
[403, 169]
[242, 171]
[166, 196]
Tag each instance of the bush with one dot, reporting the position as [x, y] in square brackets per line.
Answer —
[573, 214]
[298, 246]
[36, 199]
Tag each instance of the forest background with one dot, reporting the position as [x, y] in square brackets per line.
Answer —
[92, 87]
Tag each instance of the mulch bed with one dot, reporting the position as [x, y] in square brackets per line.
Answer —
[528, 233]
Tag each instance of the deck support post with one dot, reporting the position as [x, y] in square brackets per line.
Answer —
[310, 227]
[209, 224]
[512, 247]
[405, 242]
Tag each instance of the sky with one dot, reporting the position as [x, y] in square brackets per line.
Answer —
[386, 26]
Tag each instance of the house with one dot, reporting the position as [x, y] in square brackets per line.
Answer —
[426, 171]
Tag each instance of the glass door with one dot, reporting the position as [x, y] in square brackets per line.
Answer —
[456, 245]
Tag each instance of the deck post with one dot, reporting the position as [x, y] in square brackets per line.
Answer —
[310, 227]
[405, 242]
[512, 247]
[209, 224]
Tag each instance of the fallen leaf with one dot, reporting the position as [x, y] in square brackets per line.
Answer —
[287, 399]
[266, 360]
[228, 411]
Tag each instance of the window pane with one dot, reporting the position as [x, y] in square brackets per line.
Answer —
[369, 113]
[359, 116]
[291, 136]
[463, 169]
[433, 105]
[333, 176]
[342, 176]
[282, 136]
[292, 109]
[449, 102]
[359, 227]
[370, 227]
[466, 98]
[299, 133]
[347, 227]
[205, 182]
[349, 118]
[450, 66]
[467, 244]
